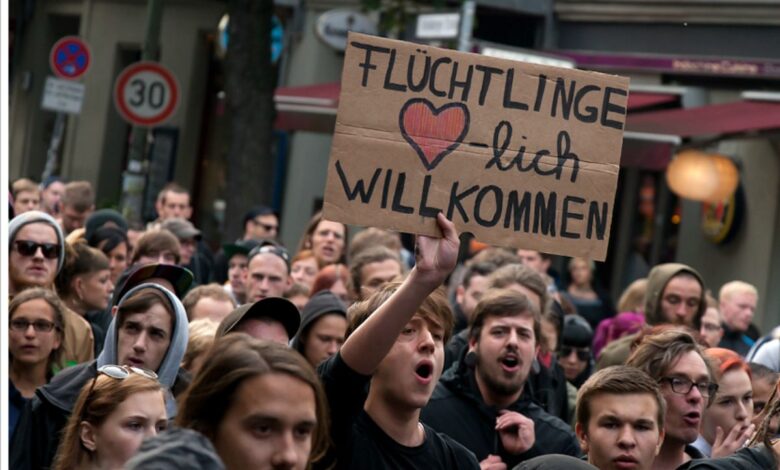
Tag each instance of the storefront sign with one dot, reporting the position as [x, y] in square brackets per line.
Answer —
[720, 222]
[521, 155]
[333, 26]
[437, 26]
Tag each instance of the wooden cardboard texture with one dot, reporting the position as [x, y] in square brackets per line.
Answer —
[521, 155]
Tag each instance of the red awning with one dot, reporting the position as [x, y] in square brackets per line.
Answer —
[712, 120]
[638, 100]
[307, 108]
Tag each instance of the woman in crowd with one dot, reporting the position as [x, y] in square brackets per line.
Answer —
[335, 278]
[304, 268]
[323, 326]
[34, 337]
[726, 422]
[326, 239]
[593, 304]
[84, 285]
[113, 242]
[113, 414]
[270, 411]
[630, 320]
[574, 356]
[201, 338]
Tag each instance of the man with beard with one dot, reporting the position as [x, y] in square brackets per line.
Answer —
[675, 295]
[479, 401]
[674, 359]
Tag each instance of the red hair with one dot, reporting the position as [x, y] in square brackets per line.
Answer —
[328, 276]
[725, 360]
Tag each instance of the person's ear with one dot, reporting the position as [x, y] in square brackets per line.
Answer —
[87, 436]
[188, 212]
[57, 342]
[78, 287]
[114, 309]
[585, 443]
[460, 292]
[661, 436]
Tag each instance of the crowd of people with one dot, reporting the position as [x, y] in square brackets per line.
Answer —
[145, 347]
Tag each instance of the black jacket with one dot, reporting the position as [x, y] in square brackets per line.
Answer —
[748, 458]
[545, 386]
[457, 409]
[37, 435]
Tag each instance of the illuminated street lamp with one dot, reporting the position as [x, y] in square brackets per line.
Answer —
[704, 177]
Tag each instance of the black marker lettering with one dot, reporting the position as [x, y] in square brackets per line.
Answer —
[434, 69]
[419, 86]
[388, 75]
[591, 112]
[455, 201]
[518, 210]
[399, 194]
[366, 65]
[386, 187]
[599, 220]
[508, 103]
[360, 189]
[570, 215]
[566, 100]
[540, 92]
[499, 205]
[465, 84]
[487, 73]
[607, 107]
[544, 214]
[426, 211]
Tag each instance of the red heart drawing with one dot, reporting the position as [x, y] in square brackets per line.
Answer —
[433, 132]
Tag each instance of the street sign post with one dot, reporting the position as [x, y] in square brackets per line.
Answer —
[146, 94]
[70, 57]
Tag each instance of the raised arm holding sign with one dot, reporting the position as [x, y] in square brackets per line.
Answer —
[518, 154]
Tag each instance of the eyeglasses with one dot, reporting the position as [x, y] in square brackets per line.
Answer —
[29, 248]
[41, 326]
[684, 386]
[711, 327]
[583, 354]
[274, 250]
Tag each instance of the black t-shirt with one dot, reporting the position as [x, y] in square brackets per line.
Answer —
[361, 444]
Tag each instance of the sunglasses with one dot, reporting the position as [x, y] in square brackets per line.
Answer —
[266, 227]
[118, 373]
[29, 248]
[583, 354]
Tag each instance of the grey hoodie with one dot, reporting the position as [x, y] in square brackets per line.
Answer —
[169, 367]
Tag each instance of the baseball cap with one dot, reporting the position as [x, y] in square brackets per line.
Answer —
[241, 247]
[276, 308]
[180, 278]
[268, 246]
[101, 218]
[257, 211]
[181, 228]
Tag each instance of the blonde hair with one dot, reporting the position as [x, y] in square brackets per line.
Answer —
[633, 298]
[736, 287]
[202, 333]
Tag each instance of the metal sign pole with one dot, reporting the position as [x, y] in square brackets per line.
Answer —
[134, 178]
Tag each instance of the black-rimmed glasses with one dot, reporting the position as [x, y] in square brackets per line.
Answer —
[684, 386]
[22, 324]
[29, 248]
[583, 354]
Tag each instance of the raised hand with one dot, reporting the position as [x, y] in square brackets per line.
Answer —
[516, 432]
[436, 257]
[727, 444]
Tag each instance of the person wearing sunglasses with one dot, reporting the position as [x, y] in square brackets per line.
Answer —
[36, 256]
[34, 338]
[574, 355]
[674, 359]
[113, 414]
[149, 331]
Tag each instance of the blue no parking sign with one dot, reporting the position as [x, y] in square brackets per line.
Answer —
[69, 57]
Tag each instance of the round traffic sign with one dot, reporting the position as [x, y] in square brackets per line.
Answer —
[146, 94]
[69, 57]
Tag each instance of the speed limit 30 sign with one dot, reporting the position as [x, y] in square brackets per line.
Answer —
[146, 94]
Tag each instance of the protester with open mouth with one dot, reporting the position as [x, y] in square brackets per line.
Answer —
[482, 401]
[675, 360]
[326, 239]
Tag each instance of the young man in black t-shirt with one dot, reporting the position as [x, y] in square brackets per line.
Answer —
[397, 349]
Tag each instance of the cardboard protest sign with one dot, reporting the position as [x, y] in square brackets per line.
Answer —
[519, 154]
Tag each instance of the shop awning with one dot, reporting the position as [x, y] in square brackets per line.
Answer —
[638, 100]
[707, 121]
[307, 108]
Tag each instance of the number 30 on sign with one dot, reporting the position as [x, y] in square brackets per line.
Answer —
[146, 94]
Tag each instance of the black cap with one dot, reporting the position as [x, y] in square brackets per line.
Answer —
[241, 247]
[276, 308]
[257, 211]
[576, 332]
[101, 218]
[179, 277]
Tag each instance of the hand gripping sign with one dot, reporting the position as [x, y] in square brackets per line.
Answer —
[519, 154]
